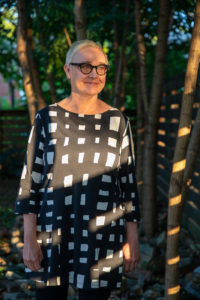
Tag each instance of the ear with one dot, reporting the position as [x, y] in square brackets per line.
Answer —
[67, 71]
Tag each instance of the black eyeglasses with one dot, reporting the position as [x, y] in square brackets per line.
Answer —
[86, 68]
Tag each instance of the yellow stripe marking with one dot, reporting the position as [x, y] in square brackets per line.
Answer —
[184, 131]
[179, 166]
[174, 230]
[173, 261]
[175, 200]
[174, 290]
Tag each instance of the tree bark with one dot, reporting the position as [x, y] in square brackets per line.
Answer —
[23, 58]
[176, 183]
[149, 175]
[191, 156]
[140, 134]
[67, 37]
[80, 24]
[52, 87]
[141, 49]
[118, 102]
[41, 103]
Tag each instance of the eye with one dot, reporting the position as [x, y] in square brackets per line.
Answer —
[86, 67]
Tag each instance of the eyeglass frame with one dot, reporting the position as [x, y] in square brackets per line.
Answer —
[92, 67]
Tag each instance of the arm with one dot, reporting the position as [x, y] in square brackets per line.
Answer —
[130, 200]
[131, 248]
[32, 254]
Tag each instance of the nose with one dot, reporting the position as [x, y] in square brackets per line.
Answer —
[93, 73]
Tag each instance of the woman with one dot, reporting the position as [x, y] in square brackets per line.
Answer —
[78, 191]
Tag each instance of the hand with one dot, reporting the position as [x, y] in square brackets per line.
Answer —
[131, 250]
[32, 255]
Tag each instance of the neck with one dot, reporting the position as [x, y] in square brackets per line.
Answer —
[81, 104]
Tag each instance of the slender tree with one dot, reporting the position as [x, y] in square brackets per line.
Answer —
[80, 24]
[141, 49]
[23, 58]
[176, 183]
[149, 167]
[121, 68]
[35, 76]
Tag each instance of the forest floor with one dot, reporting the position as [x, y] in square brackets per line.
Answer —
[147, 282]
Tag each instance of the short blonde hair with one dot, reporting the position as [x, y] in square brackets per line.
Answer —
[76, 46]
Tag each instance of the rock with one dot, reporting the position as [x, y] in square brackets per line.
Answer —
[136, 290]
[193, 289]
[10, 275]
[140, 274]
[151, 294]
[4, 248]
[14, 240]
[197, 270]
[14, 296]
[3, 262]
[146, 252]
[16, 232]
[20, 245]
[185, 261]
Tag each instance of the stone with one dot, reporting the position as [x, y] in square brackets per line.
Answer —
[136, 290]
[146, 253]
[151, 294]
[3, 262]
[10, 275]
[14, 240]
[4, 248]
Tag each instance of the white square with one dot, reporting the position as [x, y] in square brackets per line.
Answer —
[112, 142]
[52, 127]
[71, 277]
[125, 142]
[66, 114]
[96, 158]
[106, 269]
[130, 178]
[100, 221]
[80, 281]
[52, 142]
[72, 230]
[53, 113]
[81, 127]
[48, 228]
[84, 233]
[97, 116]
[81, 141]
[37, 177]
[81, 157]
[121, 238]
[83, 260]
[114, 123]
[84, 247]
[67, 126]
[95, 284]
[97, 139]
[49, 214]
[97, 253]
[103, 193]
[97, 127]
[123, 179]
[109, 254]
[111, 238]
[106, 178]
[110, 159]
[82, 199]
[68, 200]
[65, 159]
[72, 216]
[68, 180]
[102, 205]
[86, 217]
[81, 115]
[71, 245]
[66, 142]
[99, 236]
[85, 179]
[103, 283]
[50, 157]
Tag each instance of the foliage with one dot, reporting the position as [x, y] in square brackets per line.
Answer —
[48, 19]
[7, 217]
[11, 162]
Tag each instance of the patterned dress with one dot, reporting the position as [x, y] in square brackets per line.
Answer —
[79, 178]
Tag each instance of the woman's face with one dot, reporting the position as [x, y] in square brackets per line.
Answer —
[92, 83]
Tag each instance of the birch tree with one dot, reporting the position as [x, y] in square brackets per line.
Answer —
[179, 162]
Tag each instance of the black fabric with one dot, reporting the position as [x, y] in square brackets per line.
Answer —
[79, 178]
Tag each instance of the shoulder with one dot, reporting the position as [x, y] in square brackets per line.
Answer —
[46, 111]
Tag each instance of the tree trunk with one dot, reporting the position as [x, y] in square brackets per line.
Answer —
[176, 183]
[118, 102]
[141, 49]
[23, 58]
[191, 156]
[34, 71]
[12, 92]
[140, 134]
[80, 25]
[149, 175]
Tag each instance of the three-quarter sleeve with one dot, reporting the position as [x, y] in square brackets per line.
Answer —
[28, 199]
[128, 185]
